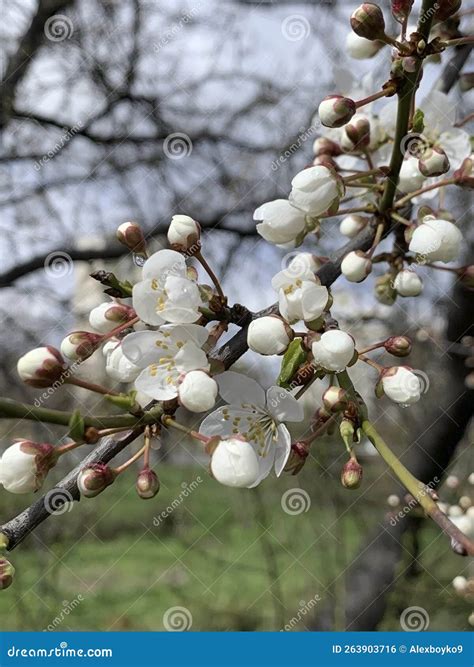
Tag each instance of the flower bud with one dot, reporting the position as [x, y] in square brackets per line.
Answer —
[465, 174]
[316, 190]
[197, 391]
[297, 458]
[7, 572]
[325, 161]
[184, 234]
[334, 350]
[467, 277]
[25, 464]
[408, 283]
[94, 478]
[401, 9]
[80, 345]
[436, 240]
[336, 110]
[399, 346]
[325, 146]
[459, 584]
[269, 335]
[360, 48]
[356, 134]
[130, 235]
[109, 315]
[356, 266]
[401, 385]
[384, 291]
[147, 484]
[351, 474]
[367, 21]
[351, 225]
[410, 178]
[433, 162]
[41, 367]
[335, 399]
[234, 463]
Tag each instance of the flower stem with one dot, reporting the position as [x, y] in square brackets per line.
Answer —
[469, 39]
[361, 174]
[389, 90]
[198, 255]
[401, 202]
[166, 420]
[131, 460]
[370, 362]
[120, 328]
[97, 388]
[357, 209]
[417, 489]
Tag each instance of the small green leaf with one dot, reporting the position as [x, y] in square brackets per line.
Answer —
[292, 360]
[123, 401]
[76, 426]
[418, 121]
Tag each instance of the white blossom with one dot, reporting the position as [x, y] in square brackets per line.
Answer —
[436, 240]
[360, 47]
[351, 225]
[24, 466]
[165, 356]
[280, 222]
[334, 350]
[408, 283]
[166, 294]
[117, 366]
[234, 463]
[300, 296]
[256, 416]
[269, 335]
[197, 391]
[316, 190]
[401, 385]
[356, 266]
[411, 177]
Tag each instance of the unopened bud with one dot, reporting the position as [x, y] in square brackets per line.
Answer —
[367, 21]
[324, 146]
[465, 174]
[131, 235]
[91, 435]
[336, 110]
[325, 161]
[399, 346]
[298, 455]
[41, 367]
[346, 429]
[384, 290]
[7, 572]
[351, 475]
[335, 399]
[433, 162]
[94, 478]
[356, 134]
[401, 9]
[184, 234]
[80, 345]
[147, 484]
[109, 315]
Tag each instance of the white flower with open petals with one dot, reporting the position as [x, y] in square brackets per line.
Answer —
[257, 416]
[300, 295]
[165, 356]
[166, 294]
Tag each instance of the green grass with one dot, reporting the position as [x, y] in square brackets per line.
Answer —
[215, 554]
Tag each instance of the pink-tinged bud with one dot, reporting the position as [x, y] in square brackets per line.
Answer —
[109, 315]
[298, 455]
[25, 464]
[351, 474]
[433, 162]
[401, 9]
[7, 572]
[80, 345]
[130, 235]
[147, 484]
[184, 234]
[336, 110]
[446, 8]
[325, 161]
[356, 134]
[466, 82]
[467, 276]
[324, 146]
[399, 346]
[367, 21]
[93, 479]
[41, 367]
[465, 174]
[335, 399]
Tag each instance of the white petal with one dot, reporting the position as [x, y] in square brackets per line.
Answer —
[313, 300]
[141, 347]
[283, 406]
[190, 357]
[220, 422]
[145, 300]
[283, 449]
[158, 384]
[236, 388]
[164, 263]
